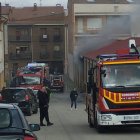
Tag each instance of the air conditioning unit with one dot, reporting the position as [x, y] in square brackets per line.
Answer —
[44, 36]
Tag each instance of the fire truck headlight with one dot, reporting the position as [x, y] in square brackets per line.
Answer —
[106, 118]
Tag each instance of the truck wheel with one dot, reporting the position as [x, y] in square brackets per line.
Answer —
[95, 120]
[99, 128]
[89, 120]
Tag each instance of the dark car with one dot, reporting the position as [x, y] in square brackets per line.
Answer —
[23, 97]
[13, 124]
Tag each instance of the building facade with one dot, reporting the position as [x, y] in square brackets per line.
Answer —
[92, 25]
[36, 34]
[3, 44]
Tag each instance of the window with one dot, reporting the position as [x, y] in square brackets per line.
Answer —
[43, 32]
[94, 23]
[17, 50]
[22, 33]
[18, 34]
[116, 23]
[80, 25]
[57, 31]
[57, 35]
[22, 49]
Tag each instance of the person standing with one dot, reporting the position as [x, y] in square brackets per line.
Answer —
[44, 98]
[73, 97]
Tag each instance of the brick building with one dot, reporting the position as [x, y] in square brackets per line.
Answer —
[36, 34]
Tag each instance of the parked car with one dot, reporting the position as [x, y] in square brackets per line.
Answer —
[23, 97]
[13, 124]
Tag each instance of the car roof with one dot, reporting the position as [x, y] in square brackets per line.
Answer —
[18, 88]
[8, 106]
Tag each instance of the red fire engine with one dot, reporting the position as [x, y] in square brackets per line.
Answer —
[31, 76]
[113, 90]
[57, 82]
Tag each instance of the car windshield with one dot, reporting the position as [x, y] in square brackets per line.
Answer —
[127, 75]
[31, 80]
[4, 118]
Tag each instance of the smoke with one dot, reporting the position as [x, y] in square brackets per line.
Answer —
[115, 27]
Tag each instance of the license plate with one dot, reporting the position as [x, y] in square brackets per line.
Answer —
[129, 118]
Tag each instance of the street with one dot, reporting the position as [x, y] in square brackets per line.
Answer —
[72, 124]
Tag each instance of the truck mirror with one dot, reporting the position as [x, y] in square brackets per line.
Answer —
[88, 88]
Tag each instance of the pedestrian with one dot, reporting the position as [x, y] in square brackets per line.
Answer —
[73, 97]
[44, 98]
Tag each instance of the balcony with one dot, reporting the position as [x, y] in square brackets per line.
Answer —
[25, 38]
[20, 56]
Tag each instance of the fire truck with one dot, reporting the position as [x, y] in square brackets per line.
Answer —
[57, 82]
[31, 76]
[113, 90]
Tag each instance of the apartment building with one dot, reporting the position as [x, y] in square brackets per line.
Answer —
[3, 27]
[93, 24]
[36, 34]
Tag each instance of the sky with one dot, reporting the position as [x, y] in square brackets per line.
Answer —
[26, 3]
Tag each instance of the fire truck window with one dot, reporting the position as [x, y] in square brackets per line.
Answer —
[120, 75]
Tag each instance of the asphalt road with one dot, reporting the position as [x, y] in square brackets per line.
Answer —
[72, 124]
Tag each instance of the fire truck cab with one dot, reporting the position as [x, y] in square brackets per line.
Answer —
[113, 91]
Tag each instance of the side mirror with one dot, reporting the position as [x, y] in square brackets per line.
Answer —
[88, 88]
[34, 127]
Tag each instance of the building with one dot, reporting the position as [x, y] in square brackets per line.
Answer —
[36, 34]
[94, 24]
[3, 45]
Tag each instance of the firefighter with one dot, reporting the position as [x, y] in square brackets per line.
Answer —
[44, 98]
